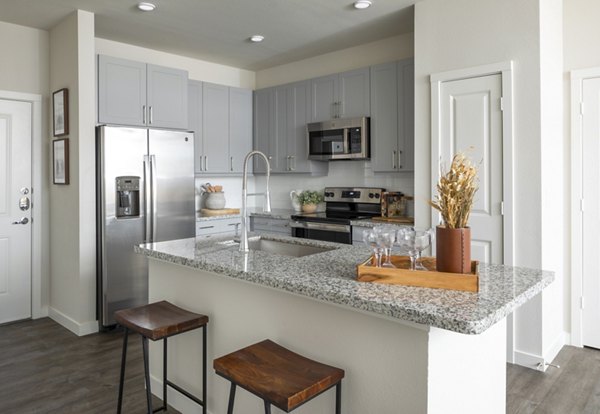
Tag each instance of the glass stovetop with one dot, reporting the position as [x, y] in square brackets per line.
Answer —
[329, 217]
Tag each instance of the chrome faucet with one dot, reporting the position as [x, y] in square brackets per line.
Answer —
[267, 206]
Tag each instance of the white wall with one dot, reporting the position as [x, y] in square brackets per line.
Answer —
[25, 68]
[456, 34]
[380, 51]
[72, 207]
[581, 31]
[198, 69]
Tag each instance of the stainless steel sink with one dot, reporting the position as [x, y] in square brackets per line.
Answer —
[285, 249]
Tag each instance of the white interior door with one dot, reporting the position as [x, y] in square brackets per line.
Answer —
[15, 222]
[471, 121]
[591, 212]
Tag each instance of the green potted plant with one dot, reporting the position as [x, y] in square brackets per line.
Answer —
[456, 193]
[309, 200]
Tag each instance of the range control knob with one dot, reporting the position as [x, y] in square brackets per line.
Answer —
[371, 195]
[377, 195]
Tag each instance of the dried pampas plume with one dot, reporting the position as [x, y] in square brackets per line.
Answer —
[456, 192]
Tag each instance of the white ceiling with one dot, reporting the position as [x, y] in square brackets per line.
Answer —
[218, 30]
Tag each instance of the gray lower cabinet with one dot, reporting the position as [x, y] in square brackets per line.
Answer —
[218, 227]
[140, 94]
[341, 95]
[221, 118]
[392, 116]
[270, 225]
[280, 117]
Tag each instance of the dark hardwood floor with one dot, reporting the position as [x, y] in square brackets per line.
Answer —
[44, 368]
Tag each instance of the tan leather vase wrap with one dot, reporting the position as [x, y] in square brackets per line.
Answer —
[453, 250]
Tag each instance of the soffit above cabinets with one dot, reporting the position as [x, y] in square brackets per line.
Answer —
[219, 30]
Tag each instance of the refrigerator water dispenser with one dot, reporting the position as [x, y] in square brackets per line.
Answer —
[128, 196]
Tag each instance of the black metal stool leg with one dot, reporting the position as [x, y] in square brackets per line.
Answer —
[147, 374]
[267, 407]
[165, 374]
[231, 398]
[338, 398]
[122, 376]
[204, 370]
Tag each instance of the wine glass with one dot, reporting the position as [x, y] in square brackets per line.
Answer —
[370, 239]
[406, 239]
[423, 239]
[386, 236]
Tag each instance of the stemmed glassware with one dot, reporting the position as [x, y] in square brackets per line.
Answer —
[414, 242]
[423, 239]
[386, 236]
[370, 239]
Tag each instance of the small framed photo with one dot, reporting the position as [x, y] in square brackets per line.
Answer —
[60, 161]
[60, 112]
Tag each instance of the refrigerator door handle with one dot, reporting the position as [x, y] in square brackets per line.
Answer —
[147, 198]
[154, 194]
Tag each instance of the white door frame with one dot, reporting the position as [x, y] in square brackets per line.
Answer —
[505, 69]
[39, 276]
[577, 78]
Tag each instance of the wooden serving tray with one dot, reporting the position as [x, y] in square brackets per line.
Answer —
[419, 278]
[221, 212]
[397, 219]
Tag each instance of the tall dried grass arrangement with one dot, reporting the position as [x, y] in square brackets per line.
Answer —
[456, 192]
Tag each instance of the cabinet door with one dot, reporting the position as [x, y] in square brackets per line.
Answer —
[384, 117]
[298, 114]
[264, 125]
[240, 127]
[324, 93]
[121, 91]
[167, 97]
[215, 127]
[195, 122]
[406, 112]
[354, 94]
[278, 156]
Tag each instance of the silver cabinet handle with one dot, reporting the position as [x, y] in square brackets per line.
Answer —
[287, 163]
[200, 161]
[206, 163]
[144, 114]
[399, 160]
[394, 159]
[231, 163]
[206, 227]
[23, 220]
[340, 109]
[151, 112]
[293, 163]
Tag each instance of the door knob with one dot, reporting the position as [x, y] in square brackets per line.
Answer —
[24, 203]
[24, 220]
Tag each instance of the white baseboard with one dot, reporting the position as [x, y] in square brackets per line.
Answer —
[79, 329]
[532, 361]
[176, 400]
[552, 351]
[528, 360]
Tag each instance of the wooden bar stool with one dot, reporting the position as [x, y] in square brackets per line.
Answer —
[156, 321]
[278, 376]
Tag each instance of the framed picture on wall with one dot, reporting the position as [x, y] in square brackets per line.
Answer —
[60, 112]
[60, 161]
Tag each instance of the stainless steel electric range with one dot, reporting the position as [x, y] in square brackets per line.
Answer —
[342, 205]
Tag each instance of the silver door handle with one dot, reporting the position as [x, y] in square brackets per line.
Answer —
[206, 163]
[154, 195]
[147, 198]
[399, 160]
[394, 159]
[23, 220]
[151, 112]
[144, 114]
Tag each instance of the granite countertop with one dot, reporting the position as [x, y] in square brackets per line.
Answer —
[330, 277]
[276, 213]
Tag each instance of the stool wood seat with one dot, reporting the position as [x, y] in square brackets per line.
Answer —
[277, 375]
[155, 321]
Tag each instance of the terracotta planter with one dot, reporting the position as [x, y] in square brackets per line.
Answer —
[309, 208]
[453, 250]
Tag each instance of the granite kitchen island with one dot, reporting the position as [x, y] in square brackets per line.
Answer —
[404, 349]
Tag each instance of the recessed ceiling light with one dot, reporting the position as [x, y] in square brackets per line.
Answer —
[257, 38]
[144, 6]
[362, 4]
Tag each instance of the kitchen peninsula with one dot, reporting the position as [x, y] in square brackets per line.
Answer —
[405, 350]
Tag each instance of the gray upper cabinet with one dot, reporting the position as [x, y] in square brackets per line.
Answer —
[342, 95]
[221, 117]
[392, 116]
[138, 94]
[280, 117]
[240, 127]
[195, 122]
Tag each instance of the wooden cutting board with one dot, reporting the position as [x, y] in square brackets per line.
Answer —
[399, 219]
[221, 212]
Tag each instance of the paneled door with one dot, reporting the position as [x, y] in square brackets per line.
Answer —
[590, 156]
[471, 122]
[15, 210]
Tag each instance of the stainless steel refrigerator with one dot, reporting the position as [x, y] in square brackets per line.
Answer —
[145, 193]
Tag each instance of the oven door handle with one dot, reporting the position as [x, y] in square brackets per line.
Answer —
[340, 228]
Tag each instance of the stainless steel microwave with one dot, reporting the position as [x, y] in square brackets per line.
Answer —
[339, 139]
